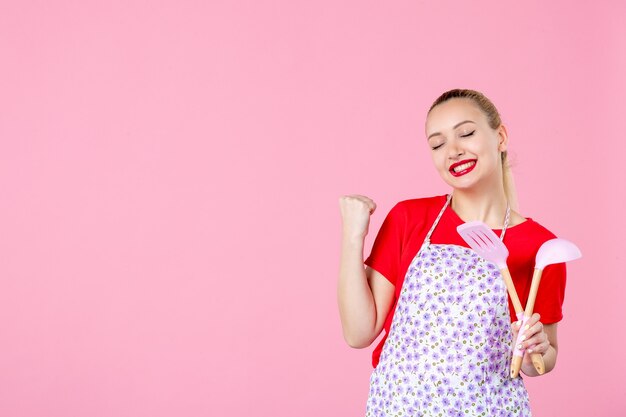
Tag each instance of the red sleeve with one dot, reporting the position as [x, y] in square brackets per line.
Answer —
[551, 292]
[387, 248]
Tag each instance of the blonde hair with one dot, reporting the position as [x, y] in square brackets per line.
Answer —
[493, 117]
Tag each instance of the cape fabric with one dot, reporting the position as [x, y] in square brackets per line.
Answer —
[405, 227]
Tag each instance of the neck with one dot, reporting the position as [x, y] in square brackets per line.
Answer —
[488, 207]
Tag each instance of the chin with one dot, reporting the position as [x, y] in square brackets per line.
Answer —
[459, 183]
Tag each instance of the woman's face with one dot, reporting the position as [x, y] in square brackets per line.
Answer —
[464, 148]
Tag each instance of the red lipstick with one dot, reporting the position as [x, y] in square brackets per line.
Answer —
[470, 162]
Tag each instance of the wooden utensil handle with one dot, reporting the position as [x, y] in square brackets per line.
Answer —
[537, 359]
[532, 294]
[508, 281]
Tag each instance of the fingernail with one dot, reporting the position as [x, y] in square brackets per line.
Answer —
[519, 346]
[522, 338]
[530, 351]
[527, 327]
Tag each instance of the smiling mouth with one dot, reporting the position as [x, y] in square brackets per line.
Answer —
[462, 167]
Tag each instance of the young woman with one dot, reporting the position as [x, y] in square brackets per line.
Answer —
[448, 321]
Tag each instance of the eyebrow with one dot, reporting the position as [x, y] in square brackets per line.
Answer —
[455, 126]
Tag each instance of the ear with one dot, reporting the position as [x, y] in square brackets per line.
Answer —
[503, 138]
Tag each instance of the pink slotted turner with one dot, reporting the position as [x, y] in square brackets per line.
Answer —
[489, 246]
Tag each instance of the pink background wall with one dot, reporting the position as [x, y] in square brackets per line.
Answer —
[170, 174]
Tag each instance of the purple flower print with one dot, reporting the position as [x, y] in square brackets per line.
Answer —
[467, 337]
[439, 321]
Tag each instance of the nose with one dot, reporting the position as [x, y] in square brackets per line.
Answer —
[454, 150]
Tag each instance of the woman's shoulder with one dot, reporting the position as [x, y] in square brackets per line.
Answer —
[530, 233]
[422, 203]
[418, 210]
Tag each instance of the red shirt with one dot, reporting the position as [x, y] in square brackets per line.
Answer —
[403, 232]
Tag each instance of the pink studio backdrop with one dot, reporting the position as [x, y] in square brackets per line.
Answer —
[170, 174]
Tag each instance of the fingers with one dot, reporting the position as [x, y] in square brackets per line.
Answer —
[533, 338]
[357, 199]
[539, 348]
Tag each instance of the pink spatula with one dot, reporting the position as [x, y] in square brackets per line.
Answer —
[489, 246]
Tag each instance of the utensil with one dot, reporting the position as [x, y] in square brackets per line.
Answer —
[553, 251]
[489, 246]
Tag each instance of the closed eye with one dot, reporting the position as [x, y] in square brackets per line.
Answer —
[469, 134]
[437, 147]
